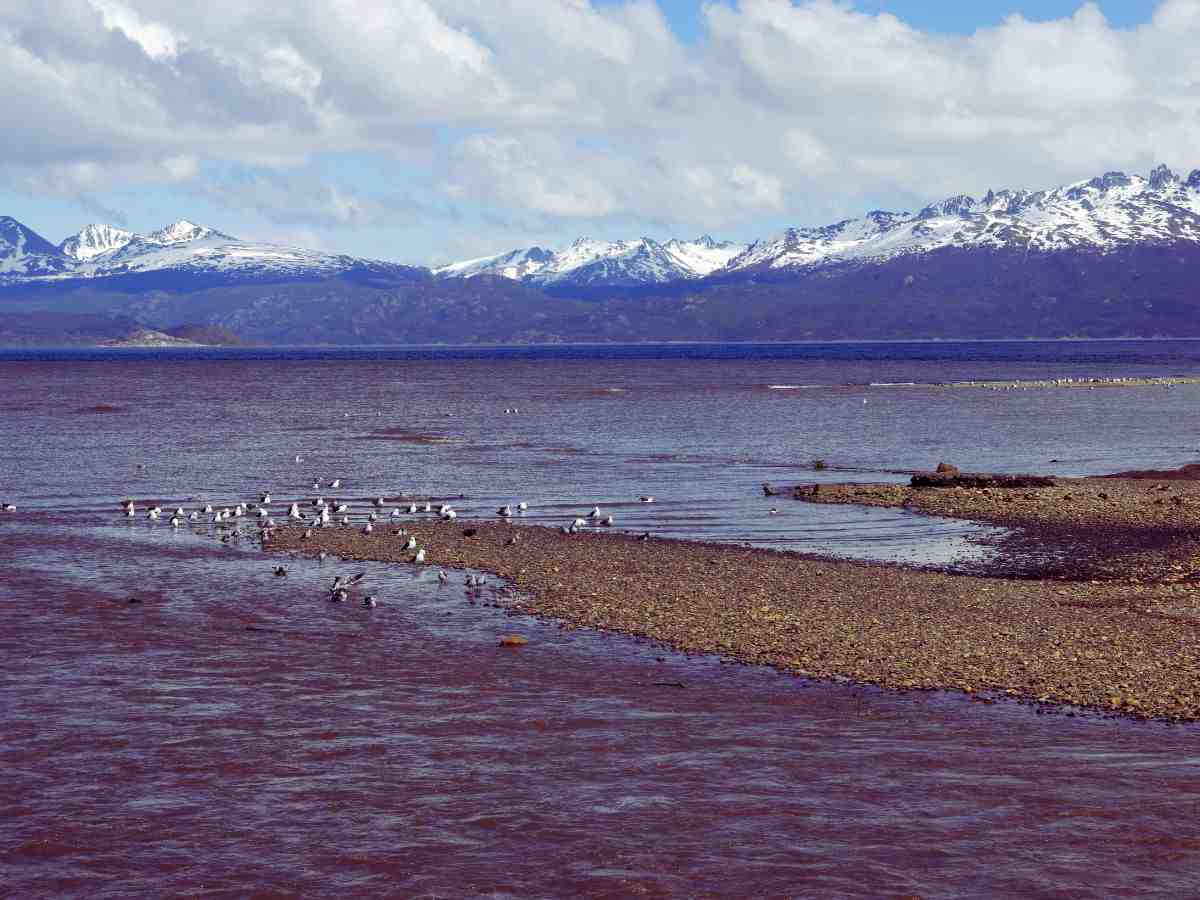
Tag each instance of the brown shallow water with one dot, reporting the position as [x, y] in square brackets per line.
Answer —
[234, 734]
[265, 739]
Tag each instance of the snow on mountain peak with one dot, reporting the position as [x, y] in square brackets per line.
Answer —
[589, 261]
[93, 240]
[183, 231]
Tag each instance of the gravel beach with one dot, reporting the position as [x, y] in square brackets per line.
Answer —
[1096, 605]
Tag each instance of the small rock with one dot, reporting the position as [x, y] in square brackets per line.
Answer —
[513, 640]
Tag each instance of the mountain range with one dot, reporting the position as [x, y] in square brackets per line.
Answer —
[1099, 214]
[1114, 255]
[183, 248]
[598, 263]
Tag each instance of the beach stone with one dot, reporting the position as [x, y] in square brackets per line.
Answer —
[513, 640]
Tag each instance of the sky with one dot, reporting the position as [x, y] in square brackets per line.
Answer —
[427, 131]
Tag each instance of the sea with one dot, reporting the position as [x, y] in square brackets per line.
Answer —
[233, 734]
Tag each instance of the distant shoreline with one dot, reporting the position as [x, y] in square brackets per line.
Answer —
[484, 345]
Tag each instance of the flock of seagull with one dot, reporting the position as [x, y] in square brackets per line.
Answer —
[320, 512]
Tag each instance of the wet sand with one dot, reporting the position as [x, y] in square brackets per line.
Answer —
[1097, 610]
[1140, 532]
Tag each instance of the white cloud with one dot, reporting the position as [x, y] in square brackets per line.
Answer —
[806, 151]
[157, 40]
[297, 198]
[512, 172]
[563, 113]
[757, 190]
[283, 65]
[182, 167]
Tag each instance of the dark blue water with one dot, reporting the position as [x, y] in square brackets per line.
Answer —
[1171, 356]
[233, 732]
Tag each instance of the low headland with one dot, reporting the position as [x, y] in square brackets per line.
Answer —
[1093, 599]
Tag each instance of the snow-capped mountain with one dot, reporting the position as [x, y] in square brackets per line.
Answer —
[187, 247]
[24, 253]
[516, 264]
[182, 248]
[94, 240]
[588, 262]
[1100, 214]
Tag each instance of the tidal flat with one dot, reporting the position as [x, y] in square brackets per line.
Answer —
[1091, 603]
